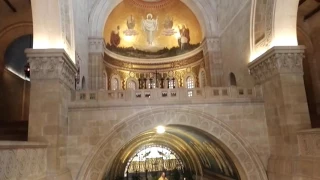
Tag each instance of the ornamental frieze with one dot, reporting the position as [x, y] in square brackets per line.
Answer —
[117, 63]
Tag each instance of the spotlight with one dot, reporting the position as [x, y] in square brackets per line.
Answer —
[160, 129]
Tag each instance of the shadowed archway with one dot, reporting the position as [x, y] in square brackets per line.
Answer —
[100, 160]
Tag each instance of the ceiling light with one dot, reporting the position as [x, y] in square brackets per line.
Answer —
[160, 129]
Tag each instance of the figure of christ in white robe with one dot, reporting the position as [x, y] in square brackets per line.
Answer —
[150, 25]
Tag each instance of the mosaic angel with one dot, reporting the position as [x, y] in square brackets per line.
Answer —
[168, 27]
[131, 23]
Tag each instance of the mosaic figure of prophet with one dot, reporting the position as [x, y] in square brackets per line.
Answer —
[149, 26]
[115, 37]
[184, 39]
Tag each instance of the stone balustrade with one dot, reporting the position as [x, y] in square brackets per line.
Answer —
[201, 95]
[23, 160]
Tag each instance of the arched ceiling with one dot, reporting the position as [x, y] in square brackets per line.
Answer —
[197, 150]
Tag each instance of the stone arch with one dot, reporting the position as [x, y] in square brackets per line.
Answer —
[9, 34]
[107, 148]
[232, 79]
[203, 10]
[272, 26]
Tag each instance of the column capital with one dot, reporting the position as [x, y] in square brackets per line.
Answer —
[212, 44]
[48, 64]
[277, 60]
[96, 44]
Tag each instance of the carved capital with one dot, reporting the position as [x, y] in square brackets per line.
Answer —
[48, 64]
[309, 142]
[211, 44]
[96, 45]
[277, 60]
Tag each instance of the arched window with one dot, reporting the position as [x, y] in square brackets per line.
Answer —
[171, 83]
[83, 83]
[151, 84]
[131, 85]
[190, 82]
[114, 84]
[233, 81]
[153, 158]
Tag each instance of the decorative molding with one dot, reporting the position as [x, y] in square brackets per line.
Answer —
[157, 60]
[48, 64]
[96, 45]
[23, 163]
[211, 44]
[265, 42]
[151, 6]
[119, 64]
[309, 142]
[277, 60]
[104, 152]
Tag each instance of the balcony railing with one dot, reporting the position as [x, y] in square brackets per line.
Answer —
[175, 95]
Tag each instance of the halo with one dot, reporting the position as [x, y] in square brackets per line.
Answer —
[149, 15]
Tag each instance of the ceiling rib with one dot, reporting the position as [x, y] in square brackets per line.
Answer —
[10, 5]
[312, 13]
[301, 2]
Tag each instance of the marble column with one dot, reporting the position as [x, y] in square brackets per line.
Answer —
[96, 65]
[52, 86]
[280, 73]
[213, 61]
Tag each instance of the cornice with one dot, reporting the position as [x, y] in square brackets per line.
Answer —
[277, 60]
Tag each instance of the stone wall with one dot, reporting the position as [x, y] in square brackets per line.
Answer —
[23, 160]
[280, 73]
[235, 47]
[92, 120]
[80, 16]
[228, 10]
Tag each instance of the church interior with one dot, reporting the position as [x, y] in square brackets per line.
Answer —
[159, 90]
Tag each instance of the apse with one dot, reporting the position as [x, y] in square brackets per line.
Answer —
[152, 29]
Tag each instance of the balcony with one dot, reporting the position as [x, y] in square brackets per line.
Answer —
[168, 96]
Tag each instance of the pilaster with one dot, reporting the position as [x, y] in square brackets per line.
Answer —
[280, 73]
[52, 83]
[96, 65]
[213, 60]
